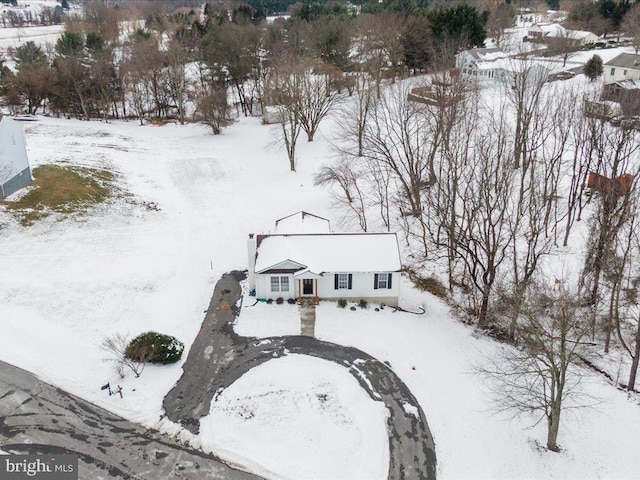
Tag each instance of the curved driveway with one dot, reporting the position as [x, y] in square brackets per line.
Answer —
[219, 356]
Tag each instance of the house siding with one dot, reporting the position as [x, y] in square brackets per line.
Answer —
[15, 183]
[361, 288]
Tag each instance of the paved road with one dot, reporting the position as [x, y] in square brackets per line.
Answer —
[36, 417]
[219, 357]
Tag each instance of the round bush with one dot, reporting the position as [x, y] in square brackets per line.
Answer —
[155, 347]
[279, 300]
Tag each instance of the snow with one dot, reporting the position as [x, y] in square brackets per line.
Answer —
[12, 37]
[300, 417]
[67, 283]
[361, 252]
[257, 319]
[435, 355]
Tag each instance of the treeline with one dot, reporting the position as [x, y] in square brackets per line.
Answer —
[189, 64]
[45, 16]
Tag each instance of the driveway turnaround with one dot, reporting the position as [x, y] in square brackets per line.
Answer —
[37, 418]
[219, 356]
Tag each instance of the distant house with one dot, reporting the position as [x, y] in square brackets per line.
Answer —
[482, 64]
[488, 65]
[545, 32]
[625, 66]
[15, 172]
[333, 266]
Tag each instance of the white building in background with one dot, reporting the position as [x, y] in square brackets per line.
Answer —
[489, 65]
[544, 32]
[15, 172]
[350, 266]
[483, 64]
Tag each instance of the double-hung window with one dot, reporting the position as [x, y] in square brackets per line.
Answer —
[342, 281]
[382, 281]
[279, 284]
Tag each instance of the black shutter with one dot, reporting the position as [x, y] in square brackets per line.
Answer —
[350, 281]
[389, 281]
[375, 281]
[335, 281]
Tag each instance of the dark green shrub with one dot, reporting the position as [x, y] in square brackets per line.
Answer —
[362, 303]
[291, 301]
[155, 347]
[270, 301]
[279, 300]
[342, 303]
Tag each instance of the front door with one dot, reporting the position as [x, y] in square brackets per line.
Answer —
[307, 286]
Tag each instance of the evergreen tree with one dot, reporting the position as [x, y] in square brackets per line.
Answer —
[593, 68]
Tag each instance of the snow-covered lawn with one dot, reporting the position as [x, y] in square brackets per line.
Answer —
[300, 417]
[66, 285]
[435, 355]
[258, 321]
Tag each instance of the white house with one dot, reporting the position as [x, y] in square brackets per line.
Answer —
[488, 65]
[483, 64]
[14, 164]
[625, 66]
[352, 266]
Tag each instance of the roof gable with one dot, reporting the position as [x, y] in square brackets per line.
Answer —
[283, 265]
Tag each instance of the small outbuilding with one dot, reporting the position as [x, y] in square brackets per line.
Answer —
[15, 172]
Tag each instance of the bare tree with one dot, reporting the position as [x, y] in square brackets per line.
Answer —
[616, 154]
[396, 136]
[176, 59]
[542, 375]
[316, 100]
[483, 234]
[631, 26]
[286, 90]
[347, 177]
[565, 45]
[523, 91]
[501, 17]
[116, 346]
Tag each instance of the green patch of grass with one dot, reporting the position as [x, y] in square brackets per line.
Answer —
[64, 190]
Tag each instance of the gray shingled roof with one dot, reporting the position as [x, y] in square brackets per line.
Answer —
[625, 60]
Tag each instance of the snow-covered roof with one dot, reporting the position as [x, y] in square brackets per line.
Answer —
[486, 54]
[336, 252]
[303, 222]
[579, 34]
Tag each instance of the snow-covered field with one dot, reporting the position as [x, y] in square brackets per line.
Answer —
[435, 355]
[123, 268]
